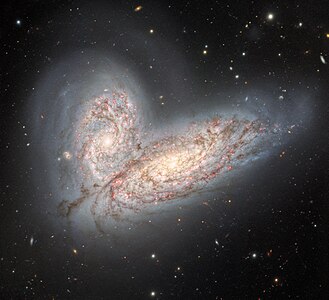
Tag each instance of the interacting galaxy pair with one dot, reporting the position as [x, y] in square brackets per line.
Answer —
[123, 169]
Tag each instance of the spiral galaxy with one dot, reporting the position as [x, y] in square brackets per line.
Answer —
[111, 159]
[164, 149]
[177, 166]
[106, 137]
[121, 172]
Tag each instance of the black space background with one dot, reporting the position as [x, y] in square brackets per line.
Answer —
[288, 224]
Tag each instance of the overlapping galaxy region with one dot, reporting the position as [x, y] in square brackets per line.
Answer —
[122, 173]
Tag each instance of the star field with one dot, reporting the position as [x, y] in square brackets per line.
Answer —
[258, 232]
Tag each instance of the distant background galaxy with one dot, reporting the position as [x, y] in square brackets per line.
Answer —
[173, 150]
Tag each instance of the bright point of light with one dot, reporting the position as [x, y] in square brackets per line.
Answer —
[138, 8]
[204, 52]
[67, 155]
[237, 76]
[243, 53]
[151, 30]
[18, 22]
[254, 255]
[300, 24]
[172, 164]
[153, 255]
[152, 294]
[107, 141]
[270, 16]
